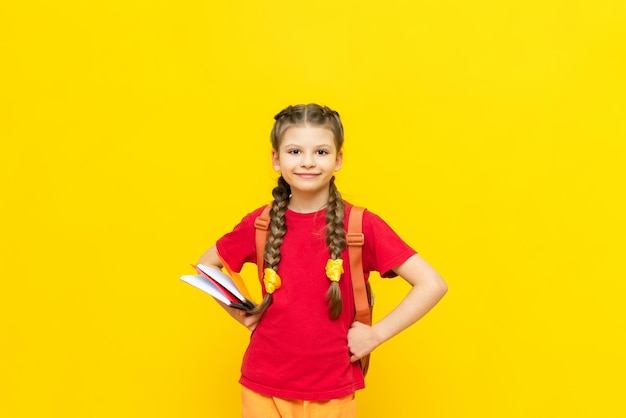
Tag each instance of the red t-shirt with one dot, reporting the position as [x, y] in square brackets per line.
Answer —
[296, 350]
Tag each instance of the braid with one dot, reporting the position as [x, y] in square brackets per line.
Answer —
[278, 229]
[336, 241]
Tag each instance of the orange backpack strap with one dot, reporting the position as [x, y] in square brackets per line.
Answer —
[262, 225]
[363, 297]
[355, 240]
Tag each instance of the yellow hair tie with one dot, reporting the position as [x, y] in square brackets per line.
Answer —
[271, 280]
[334, 269]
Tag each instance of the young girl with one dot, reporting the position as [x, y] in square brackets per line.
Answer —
[302, 359]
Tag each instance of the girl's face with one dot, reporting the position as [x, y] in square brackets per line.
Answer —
[307, 158]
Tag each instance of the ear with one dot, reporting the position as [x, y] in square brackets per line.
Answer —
[275, 161]
[339, 161]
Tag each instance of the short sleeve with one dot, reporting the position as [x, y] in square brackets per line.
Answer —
[384, 249]
[238, 246]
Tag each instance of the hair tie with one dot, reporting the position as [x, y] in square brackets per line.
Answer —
[272, 281]
[334, 269]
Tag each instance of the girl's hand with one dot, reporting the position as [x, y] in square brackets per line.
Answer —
[427, 288]
[362, 340]
[248, 321]
[211, 259]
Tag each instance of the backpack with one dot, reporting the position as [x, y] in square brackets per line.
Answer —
[363, 296]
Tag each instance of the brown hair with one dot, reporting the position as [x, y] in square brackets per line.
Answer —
[300, 115]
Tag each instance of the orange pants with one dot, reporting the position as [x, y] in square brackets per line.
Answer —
[255, 405]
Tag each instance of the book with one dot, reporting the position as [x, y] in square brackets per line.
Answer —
[219, 285]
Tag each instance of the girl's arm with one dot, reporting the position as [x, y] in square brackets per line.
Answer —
[427, 289]
[210, 259]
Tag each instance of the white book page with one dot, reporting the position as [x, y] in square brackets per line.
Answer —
[223, 279]
[205, 285]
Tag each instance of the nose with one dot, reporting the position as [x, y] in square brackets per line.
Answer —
[308, 160]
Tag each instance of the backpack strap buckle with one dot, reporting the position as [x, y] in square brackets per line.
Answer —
[262, 223]
[355, 239]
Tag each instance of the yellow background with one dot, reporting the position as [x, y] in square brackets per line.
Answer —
[490, 134]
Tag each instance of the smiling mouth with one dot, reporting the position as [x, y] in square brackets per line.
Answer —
[307, 175]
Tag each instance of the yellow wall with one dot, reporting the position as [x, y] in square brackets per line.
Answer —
[490, 134]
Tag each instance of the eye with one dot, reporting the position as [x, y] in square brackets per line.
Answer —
[322, 152]
[293, 151]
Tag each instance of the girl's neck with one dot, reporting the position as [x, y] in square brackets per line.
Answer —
[303, 203]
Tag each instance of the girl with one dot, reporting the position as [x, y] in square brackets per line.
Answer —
[302, 359]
